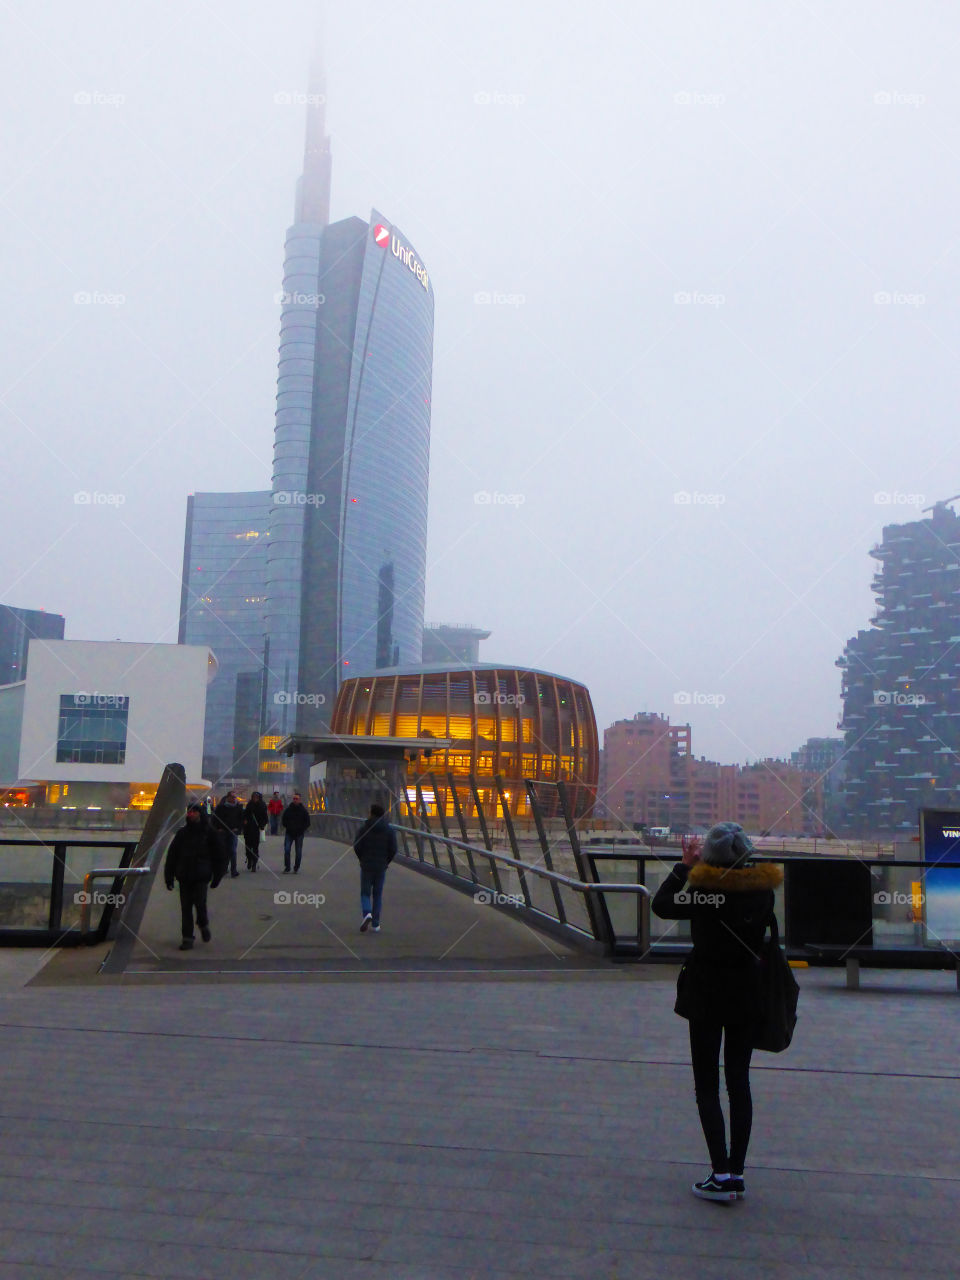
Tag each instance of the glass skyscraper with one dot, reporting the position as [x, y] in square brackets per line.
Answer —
[17, 628]
[339, 581]
[347, 550]
[222, 604]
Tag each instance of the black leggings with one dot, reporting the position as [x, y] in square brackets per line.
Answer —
[705, 1036]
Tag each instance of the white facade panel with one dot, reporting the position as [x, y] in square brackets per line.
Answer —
[165, 684]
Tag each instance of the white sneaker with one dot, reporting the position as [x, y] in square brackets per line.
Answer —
[376, 928]
[365, 922]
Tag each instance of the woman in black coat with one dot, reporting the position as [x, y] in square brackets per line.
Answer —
[255, 819]
[729, 903]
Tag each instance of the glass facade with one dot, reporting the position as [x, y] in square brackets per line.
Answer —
[349, 514]
[92, 728]
[512, 722]
[17, 628]
[223, 604]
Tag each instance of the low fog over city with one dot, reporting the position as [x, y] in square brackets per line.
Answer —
[694, 272]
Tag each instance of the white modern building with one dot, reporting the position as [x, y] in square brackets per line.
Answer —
[98, 720]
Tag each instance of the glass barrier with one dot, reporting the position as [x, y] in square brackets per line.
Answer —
[78, 860]
[26, 878]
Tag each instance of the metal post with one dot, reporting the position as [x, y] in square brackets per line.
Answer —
[512, 837]
[481, 818]
[443, 822]
[458, 810]
[545, 846]
[595, 910]
[56, 886]
[426, 824]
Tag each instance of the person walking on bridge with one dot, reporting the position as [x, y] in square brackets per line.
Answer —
[376, 847]
[195, 861]
[295, 822]
[254, 823]
[729, 902]
[275, 808]
[228, 822]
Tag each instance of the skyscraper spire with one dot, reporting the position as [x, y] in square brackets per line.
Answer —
[313, 187]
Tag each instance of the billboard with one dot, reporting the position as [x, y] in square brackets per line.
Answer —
[940, 843]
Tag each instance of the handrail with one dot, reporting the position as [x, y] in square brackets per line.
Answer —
[600, 926]
[100, 873]
[580, 886]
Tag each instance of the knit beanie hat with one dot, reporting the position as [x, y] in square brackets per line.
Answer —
[726, 845]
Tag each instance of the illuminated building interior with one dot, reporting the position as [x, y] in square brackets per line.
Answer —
[509, 722]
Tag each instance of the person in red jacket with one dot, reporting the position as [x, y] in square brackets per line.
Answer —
[275, 808]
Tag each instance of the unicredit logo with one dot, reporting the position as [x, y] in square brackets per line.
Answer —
[383, 236]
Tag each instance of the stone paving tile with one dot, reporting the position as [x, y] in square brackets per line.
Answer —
[433, 1131]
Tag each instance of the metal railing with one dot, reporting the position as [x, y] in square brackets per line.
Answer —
[88, 895]
[36, 876]
[505, 882]
[876, 911]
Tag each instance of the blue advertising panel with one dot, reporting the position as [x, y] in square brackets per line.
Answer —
[940, 842]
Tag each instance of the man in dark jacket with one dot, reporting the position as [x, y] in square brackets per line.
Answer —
[729, 902]
[375, 847]
[295, 822]
[254, 824]
[195, 861]
[228, 823]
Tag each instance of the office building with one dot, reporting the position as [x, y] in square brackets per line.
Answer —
[17, 628]
[651, 778]
[458, 644]
[95, 721]
[348, 529]
[223, 606]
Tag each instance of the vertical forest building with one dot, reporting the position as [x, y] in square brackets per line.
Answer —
[901, 681]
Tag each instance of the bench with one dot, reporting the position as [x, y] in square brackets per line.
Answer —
[883, 958]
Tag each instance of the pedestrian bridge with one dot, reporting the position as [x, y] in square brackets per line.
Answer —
[465, 1094]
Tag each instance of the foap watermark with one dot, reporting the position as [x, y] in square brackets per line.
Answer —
[684, 498]
[96, 298]
[84, 699]
[93, 498]
[490, 898]
[881, 698]
[898, 98]
[484, 699]
[686, 698]
[294, 498]
[488, 298]
[888, 498]
[696, 298]
[494, 498]
[97, 898]
[895, 898]
[294, 898]
[696, 898]
[285, 98]
[897, 298]
[697, 98]
[97, 98]
[497, 98]
[296, 299]
[297, 699]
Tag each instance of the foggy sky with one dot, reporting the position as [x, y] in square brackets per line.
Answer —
[719, 243]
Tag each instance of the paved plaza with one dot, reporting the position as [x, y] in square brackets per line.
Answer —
[418, 1117]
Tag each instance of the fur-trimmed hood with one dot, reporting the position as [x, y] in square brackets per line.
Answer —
[759, 875]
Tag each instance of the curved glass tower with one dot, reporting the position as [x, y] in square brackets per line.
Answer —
[347, 547]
